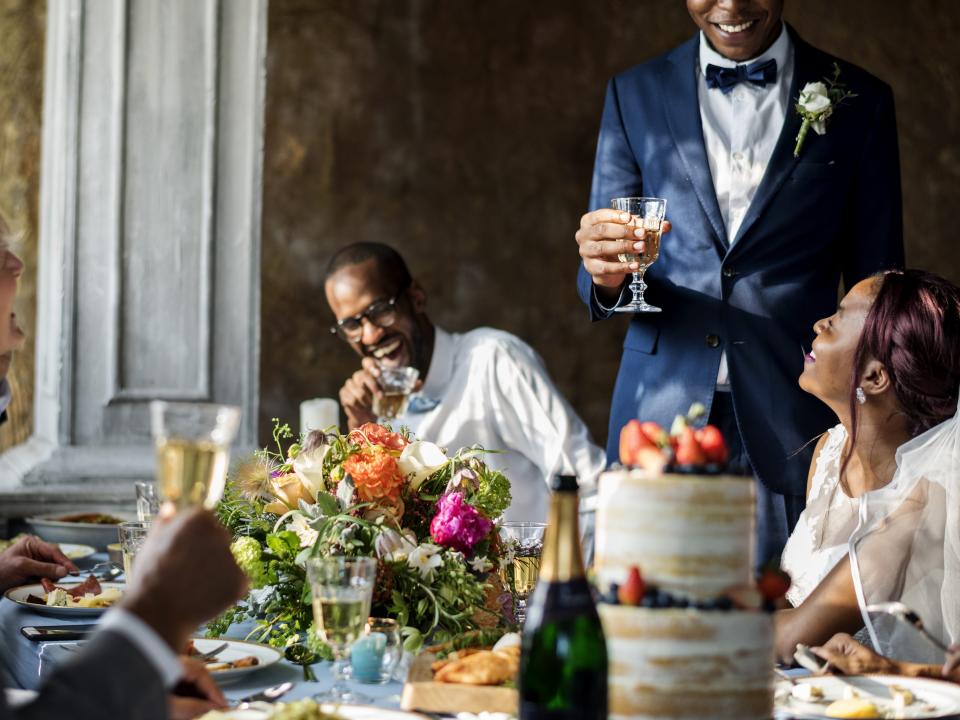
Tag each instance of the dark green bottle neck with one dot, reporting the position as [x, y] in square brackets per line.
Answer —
[561, 560]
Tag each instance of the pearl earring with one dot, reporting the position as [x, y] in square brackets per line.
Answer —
[861, 396]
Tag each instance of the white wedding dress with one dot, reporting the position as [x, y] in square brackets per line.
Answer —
[820, 539]
[903, 541]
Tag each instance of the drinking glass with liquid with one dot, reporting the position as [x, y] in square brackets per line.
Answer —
[192, 442]
[647, 213]
[342, 589]
[524, 543]
[396, 384]
[132, 536]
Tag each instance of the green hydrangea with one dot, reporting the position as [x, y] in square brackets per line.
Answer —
[249, 556]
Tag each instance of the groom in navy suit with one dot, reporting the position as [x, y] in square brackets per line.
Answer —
[761, 238]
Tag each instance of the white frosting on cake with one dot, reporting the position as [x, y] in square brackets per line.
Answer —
[671, 663]
[693, 536]
[689, 534]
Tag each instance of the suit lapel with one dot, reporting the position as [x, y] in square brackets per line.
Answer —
[782, 160]
[679, 90]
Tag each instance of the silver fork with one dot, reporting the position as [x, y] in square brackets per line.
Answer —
[905, 614]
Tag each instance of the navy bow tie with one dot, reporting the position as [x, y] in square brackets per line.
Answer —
[725, 78]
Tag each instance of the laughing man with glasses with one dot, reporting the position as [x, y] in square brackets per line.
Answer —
[483, 387]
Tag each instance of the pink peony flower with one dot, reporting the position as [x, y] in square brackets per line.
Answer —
[458, 524]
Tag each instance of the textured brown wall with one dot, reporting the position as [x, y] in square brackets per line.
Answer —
[463, 133]
[22, 24]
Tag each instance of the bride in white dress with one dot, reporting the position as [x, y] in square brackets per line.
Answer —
[881, 522]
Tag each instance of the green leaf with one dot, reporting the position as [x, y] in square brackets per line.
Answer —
[327, 504]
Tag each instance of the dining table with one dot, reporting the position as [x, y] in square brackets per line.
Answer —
[26, 663]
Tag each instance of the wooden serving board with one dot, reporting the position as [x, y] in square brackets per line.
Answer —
[421, 692]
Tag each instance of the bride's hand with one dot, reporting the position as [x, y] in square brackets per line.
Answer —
[951, 668]
[851, 658]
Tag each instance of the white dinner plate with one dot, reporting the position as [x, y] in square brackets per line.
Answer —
[75, 551]
[932, 698]
[235, 650]
[19, 596]
[347, 712]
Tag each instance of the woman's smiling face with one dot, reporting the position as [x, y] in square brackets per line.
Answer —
[828, 367]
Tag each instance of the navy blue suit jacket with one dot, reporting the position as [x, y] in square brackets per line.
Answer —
[833, 213]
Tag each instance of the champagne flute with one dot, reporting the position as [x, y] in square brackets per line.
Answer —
[647, 213]
[342, 589]
[192, 441]
[524, 540]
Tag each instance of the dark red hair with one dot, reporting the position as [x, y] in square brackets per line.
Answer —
[913, 329]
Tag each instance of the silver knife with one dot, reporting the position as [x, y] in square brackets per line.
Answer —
[268, 695]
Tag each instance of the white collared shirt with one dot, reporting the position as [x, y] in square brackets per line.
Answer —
[740, 131]
[494, 391]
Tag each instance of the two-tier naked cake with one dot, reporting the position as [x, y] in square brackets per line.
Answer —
[696, 641]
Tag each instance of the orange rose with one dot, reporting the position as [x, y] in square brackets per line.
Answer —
[376, 475]
[373, 434]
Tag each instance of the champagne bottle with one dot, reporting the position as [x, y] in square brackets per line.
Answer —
[563, 666]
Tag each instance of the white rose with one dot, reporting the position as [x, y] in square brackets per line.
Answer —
[419, 460]
[814, 97]
[308, 466]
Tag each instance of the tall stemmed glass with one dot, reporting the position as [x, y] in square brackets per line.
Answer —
[192, 442]
[647, 213]
[342, 589]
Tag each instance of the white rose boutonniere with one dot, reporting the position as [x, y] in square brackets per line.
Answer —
[816, 104]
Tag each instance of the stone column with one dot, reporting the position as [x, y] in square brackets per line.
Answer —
[149, 271]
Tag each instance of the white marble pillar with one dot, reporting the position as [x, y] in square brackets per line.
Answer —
[149, 274]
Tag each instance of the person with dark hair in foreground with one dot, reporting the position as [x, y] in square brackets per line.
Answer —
[881, 519]
[484, 387]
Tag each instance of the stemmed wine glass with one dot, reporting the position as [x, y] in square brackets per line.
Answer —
[647, 213]
[342, 589]
[192, 443]
[524, 540]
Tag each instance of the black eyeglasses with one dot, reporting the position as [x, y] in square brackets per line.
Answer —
[381, 313]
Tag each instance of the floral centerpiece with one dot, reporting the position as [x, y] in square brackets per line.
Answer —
[428, 517]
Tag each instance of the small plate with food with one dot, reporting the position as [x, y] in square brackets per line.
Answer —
[75, 551]
[87, 598]
[92, 528]
[310, 710]
[237, 659]
[866, 696]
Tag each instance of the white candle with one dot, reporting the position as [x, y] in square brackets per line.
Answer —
[319, 414]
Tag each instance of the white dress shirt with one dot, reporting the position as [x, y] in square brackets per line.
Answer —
[493, 390]
[150, 645]
[740, 130]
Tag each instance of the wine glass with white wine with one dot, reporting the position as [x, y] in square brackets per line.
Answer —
[647, 213]
[192, 443]
[342, 589]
